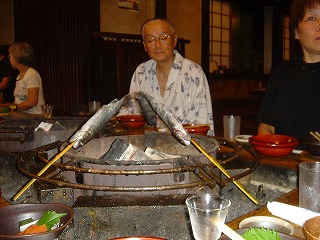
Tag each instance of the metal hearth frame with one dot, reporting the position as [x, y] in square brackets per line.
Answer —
[203, 171]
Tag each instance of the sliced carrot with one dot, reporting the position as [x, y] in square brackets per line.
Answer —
[34, 229]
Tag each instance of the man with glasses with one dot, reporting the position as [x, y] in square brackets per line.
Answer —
[173, 80]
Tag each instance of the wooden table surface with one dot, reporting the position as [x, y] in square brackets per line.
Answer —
[290, 162]
[3, 202]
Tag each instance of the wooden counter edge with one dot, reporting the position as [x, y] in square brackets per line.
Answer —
[291, 198]
[3, 202]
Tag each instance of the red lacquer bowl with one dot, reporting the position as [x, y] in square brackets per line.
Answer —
[201, 129]
[134, 121]
[273, 145]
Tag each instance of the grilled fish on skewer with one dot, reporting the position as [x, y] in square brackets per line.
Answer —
[147, 110]
[167, 117]
[92, 127]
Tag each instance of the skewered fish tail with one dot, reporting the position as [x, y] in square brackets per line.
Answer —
[147, 110]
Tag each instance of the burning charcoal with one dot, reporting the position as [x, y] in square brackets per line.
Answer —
[123, 150]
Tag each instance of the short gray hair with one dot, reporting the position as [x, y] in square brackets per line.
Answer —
[154, 20]
[22, 52]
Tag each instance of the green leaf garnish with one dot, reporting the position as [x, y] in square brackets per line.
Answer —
[50, 218]
[261, 234]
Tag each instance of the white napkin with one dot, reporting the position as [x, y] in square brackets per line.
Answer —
[44, 126]
[291, 213]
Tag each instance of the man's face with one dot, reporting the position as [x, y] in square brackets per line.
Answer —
[159, 41]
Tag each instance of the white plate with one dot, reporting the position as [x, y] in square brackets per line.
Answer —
[277, 224]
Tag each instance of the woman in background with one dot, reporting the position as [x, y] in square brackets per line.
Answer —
[28, 92]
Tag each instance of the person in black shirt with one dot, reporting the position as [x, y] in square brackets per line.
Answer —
[291, 103]
[7, 75]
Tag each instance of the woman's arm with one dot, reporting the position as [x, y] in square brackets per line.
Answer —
[265, 129]
[4, 83]
[33, 94]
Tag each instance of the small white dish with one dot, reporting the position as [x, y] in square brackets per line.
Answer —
[279, 225]
[297, 151]
[242, 139]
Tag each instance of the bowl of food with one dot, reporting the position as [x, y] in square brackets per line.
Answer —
[311, 228]
[273, 145]
[274, 223]
[311, 145]
[201, 129]
[259, 233]
[5, 110]
[134, 121]
[34, 221]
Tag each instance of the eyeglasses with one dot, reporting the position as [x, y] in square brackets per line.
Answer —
[163, 39]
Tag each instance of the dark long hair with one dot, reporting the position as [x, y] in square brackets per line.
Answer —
[297, 11]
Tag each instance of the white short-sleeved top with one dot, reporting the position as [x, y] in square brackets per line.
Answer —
[187, 93]
[31, 79]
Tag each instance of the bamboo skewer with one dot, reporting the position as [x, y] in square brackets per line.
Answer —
[218, 165]
[228, 231]
[316, 135]
[52, 161]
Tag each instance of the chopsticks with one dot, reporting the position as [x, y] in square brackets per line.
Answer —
[316, 135]
[52, 161]
[218, 165]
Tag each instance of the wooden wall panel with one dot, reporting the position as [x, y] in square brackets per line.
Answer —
[116, 58]
[60, 33]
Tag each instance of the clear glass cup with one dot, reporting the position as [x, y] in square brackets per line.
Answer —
[47, 110]
[309, 185]
[231, 126]
[205, 211]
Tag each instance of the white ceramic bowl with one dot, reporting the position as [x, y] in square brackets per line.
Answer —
[279, 225]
